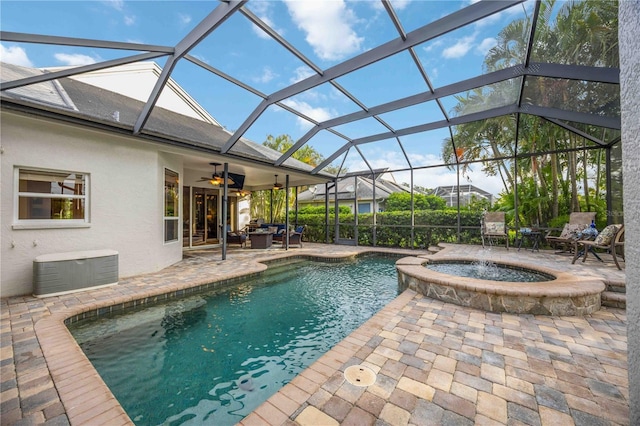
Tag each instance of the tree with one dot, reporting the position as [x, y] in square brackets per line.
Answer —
[307, 154]
[268, 203]
[401, 201]
[556, 181]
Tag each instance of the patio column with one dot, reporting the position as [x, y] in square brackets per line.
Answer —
[629, 34]
[285, 239]
[225, 209]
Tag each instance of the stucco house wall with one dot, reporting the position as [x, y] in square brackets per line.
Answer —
[125, 198]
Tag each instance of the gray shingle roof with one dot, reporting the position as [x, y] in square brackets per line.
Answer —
[346, 188]
[73, 98]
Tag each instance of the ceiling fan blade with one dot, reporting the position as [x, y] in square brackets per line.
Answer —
[220, 179]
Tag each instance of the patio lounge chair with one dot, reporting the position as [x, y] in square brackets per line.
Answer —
[494, 227]
[564, 242]
[610, 239]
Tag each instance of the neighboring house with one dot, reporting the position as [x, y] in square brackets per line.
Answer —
[74, 177]
[355, 190]
[468, 193]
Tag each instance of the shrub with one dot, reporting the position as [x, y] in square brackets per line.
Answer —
[393, 229]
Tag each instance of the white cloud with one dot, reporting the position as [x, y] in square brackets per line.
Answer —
[397, 4]
[327, 26]
[262, 9]
[15, 55]
[266, 76]
[129, 20]
[318, 114]
[400, 4]
[116, 4]
[485, 45]
[459, 49]
[262, 34]
[433, 44]
[184, 19]
[75, 59]
[301, 73]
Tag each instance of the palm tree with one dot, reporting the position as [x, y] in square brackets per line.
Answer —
[574, 32]
[271, 203]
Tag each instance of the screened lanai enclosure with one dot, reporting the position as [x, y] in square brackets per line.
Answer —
[518, 98]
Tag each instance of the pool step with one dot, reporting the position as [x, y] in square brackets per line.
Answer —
[615, 295]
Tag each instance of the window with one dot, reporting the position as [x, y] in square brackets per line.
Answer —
[47, 198]
[171, 205]
[364, 207]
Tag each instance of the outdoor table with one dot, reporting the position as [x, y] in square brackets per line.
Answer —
[261, 240]
[588, 234]
[531, 235]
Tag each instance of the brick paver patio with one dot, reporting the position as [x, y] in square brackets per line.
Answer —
[436, 363]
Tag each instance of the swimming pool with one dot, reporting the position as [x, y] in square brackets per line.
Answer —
[214, 357]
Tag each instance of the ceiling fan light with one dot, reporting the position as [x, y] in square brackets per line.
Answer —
[277, 185]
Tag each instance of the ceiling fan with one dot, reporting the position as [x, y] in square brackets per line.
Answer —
[277, 185]
[216, 179]
[241, 192]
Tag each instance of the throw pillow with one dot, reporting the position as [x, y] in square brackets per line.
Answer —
[571, 230]
[604, 238]
[494, 228]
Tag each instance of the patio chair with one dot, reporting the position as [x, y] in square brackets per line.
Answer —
[494, 227]
[279, 236]
[237, 238]
[295, 238]
[578, 221]
[610, 239]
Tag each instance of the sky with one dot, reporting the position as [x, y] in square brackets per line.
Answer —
[326, 32]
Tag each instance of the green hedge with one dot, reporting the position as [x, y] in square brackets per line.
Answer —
[394, 228]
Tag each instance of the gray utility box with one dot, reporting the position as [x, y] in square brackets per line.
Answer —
[66, 272]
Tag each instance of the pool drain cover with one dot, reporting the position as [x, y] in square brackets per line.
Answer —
[359, 375]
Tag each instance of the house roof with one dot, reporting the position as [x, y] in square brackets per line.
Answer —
[136, 81]
[74, 99]
[452, 190]
[347, 187]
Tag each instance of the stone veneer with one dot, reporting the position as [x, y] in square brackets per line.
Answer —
[564, 295]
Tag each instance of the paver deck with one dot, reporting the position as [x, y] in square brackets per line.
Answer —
[436, 363]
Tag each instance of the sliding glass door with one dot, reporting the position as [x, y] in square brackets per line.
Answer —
[201, 210]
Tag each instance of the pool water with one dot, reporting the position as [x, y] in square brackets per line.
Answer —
[488, 271]
[214, 358]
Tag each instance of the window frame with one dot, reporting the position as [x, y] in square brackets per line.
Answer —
[49, 223]
[177, 207]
